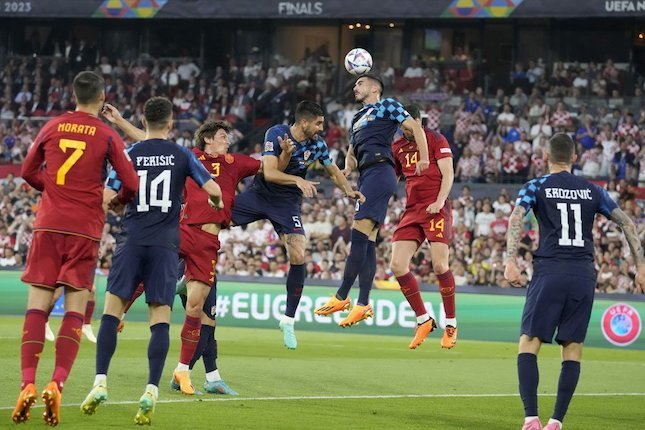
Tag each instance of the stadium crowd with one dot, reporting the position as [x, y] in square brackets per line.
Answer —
[494, 139]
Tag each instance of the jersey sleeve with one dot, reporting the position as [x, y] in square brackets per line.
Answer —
[123, 169]
[398, 168]
[527, 197]
[247, 166]
[195, 169]
[322, 153]
[394, 110]
[31, 170]
[271, 143]
[439, 145]
[606, 204]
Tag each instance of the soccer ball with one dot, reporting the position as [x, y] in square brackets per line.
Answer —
[358, 61]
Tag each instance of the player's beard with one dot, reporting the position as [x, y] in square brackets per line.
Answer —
[359, 97]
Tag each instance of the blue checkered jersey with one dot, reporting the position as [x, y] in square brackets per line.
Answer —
[565, 207]
[304, 155]
[152, 218]
[372, 130]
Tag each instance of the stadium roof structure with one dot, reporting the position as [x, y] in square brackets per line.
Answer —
[322, 9]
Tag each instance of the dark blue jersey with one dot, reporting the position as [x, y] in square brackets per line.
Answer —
[152, 218]
[304, 155]
[565, 207]
[373, 129]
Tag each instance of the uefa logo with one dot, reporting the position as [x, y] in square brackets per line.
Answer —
[621, 324]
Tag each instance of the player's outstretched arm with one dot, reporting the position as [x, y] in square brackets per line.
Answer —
[421, 141]
[515, 226]
[447, 179]
[273, 174]
[113, 115]
[341, 182]
[635, 245]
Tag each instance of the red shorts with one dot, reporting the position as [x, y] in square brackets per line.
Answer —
[57, 259]
[199, 249]
[417, 224]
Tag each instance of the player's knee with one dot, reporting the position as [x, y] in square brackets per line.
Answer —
[398, 267]
[297, 258]
[440, 267]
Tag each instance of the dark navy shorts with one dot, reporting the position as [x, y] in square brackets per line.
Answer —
[378, 184]
[561, 301]
[155, 266]
[251, 206]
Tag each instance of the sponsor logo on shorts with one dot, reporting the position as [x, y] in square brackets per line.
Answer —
[621, 324]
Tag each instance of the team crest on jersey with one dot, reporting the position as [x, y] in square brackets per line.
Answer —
[268, 146]
[306, 155]
[621, 324]
[229, 158]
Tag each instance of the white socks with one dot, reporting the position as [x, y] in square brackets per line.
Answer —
[529, 419]
[100, 379]
[213, 376]
[182, 367]
[288, 320]
[452, 322]
[153, 389]
[551, 421]
[423, 318]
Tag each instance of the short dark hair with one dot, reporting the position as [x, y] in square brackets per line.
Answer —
[87, 87]
[157, 111]
[376, 79]
[414, 111]
[208, 130]
[561, 148]
[308, 110]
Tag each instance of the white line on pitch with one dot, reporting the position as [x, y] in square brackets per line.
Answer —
[387, 396]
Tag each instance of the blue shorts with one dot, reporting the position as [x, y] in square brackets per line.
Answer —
[251, 206]
[378, 184]
[559, 301]
[155, 266]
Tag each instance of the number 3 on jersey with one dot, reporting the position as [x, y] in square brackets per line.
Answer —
[577, 221]
[162, 179]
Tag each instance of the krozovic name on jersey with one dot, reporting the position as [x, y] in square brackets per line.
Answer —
[562, 193]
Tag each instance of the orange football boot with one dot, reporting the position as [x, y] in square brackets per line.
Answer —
[182, 378]
[356, 315]
[421, 332]
[26, 400]
[333, 305]
[52, 397]
[449, 338]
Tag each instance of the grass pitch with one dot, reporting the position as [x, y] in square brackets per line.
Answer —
[336, 380]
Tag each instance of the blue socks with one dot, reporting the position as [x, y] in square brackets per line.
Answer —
[205, 335]
[528, 374]
[355, 261]
[295, 283]
[569, 375]
[106, 343]
[366, 274]
[157, 351]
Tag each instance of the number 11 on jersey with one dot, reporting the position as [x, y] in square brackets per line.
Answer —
[564, 221]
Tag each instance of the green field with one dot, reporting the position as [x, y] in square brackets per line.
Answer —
[341, 380]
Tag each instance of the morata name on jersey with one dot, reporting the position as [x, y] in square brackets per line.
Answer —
[156, 160]
[562, 193]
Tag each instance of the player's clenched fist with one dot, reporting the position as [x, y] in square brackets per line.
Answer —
[421, 166]
[216, 204]
[356, 195]
[308, 188]
[512, 273]
[435, 207]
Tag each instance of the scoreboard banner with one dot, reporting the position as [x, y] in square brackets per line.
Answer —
[483, 317]
[336, 9]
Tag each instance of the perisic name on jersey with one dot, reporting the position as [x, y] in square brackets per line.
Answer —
[156, 160]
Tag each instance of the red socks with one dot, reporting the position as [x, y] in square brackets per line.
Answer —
[33, 341]
[410, 289]
[67, 344]
[189, 338]
[447, 290]
[89, 310]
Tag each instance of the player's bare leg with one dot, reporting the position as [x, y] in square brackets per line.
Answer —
[87, 323]
[33, 341]
[190, 334]
[402, 253]
[295, 244]
[159, 316]
[440, 255]
[105, 347]
[569, 375]
[528, 375]
[49, 333]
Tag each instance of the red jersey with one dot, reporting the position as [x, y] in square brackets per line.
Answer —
[68, 163]
[422, 189]
[227, 170]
